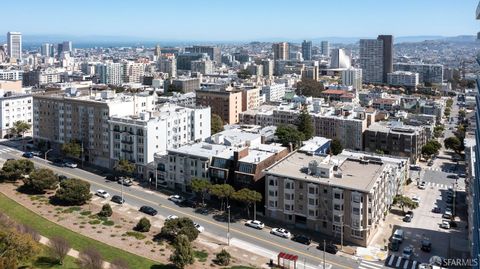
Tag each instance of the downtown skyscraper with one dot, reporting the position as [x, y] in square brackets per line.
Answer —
[14, 43]
[307, 50]
[376, 58]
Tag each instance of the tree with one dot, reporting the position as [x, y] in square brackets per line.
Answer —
[223, 192]
[143, 225]
[289, 134]
[447, 112]
[309, 87]
[125, 167]
[404, 201]
[462, 113]
[90, 258]
[248, 197]
[13, 170]
[182, 226]
[183, 254]
[119, 264]
[201, 186]
[336, 147]
[106, 211]
[428, 150]
[216, 123]
[73, 191]
[40, 180]
[223, 258]
[449, 102]
[59, 248]
[72, 149]
[244, 74]
[438, 130]
[16, 248]
[20, 127]
[453, 143]
[305, 123]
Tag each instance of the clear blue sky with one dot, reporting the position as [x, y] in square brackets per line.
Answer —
[240, 20]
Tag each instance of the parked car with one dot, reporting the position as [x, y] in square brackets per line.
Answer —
[452, 176]
[445, 224]
[436, 210]
[407, 253]
[422, 185]
[111, 177]
[255, 224]
[28, 155]
[329, 248]
[281, 232]
[37, 153]
[407, 218]
[58, 162]
[148, 210]
[125, 182]
[70, 164]
[398, 235]
[302, 239]
[449, 200]
[199, 227]
[430, 163]
[176, 198]
[189, 203]
[447, 214]
[426, 245]
[394, 245]
[117, 199]
[416, 199]
[102, 194]
[170, 217]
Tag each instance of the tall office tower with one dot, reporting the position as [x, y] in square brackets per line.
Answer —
[281, 51]
[352, 77]
[339, 59]
[307, 50]
[45, 49]
[387, 55]
[168, 65]
[14, 43]
[65, 46]
[268, 67]
[371, 60]
[325, 48]
[213, 52]
[157, 51]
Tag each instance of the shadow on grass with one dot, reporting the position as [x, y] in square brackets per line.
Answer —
[163, 266]
[45, 262]
[26, 190]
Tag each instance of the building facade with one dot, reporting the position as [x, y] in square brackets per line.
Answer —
[14, 107]
[352, 77]
[14, 44]
[225, 103]
[403, 78]
[427, 73]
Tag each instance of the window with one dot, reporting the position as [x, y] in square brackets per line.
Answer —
[289, 196]
[272, 193]
[337, 219]
[337, 195]
[288, 207]
[312, 201]
[300, 185]
[356, 210]
[356, 233]
[338, 207]
[272, 182]
[272, 203]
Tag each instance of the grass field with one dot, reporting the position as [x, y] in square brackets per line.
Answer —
[49, 229]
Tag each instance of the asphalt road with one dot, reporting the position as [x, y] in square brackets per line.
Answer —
[243, 237]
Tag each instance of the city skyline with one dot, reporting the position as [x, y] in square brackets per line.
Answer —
[266, 20]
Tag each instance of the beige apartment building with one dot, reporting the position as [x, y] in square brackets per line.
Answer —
[61, 117]
[225, 103]
[340, 196]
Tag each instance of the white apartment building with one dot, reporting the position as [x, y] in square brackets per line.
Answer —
[11, 74]
[403, 78]
[110, 73]
[352, 77]
[14, 107]
[133, 72]
[169, 66]
[274, 92]
[14, 44]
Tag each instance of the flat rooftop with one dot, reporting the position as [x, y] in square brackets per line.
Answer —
[356, 175]
[204, 150]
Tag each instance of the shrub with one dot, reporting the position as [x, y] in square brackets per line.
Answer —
[90, 258]
[137, 235]
[223, 258]
[143, 225]
[73, 192]
[119, 264]
[201, 256]
[59, 247]
[175, 227]
[106, 211]
[108, 223]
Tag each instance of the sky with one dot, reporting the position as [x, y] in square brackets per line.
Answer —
[223, 20]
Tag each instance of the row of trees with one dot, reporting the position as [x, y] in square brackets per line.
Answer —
[225, 192]
[432, 147]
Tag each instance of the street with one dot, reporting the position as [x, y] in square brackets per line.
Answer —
[257, 241]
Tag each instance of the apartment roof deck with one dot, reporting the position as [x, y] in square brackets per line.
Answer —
[205, 150]
[355, 174]
[394, 127]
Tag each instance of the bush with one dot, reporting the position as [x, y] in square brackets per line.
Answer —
[72, 192]
[59, 247]
[13, 170]
[119, 264]
[108, 223]
[223, 258]
[175, 227]
[90, 258]
[143, 225]
[201, 256]
[106, 211]
[40, 180]
[137, 235]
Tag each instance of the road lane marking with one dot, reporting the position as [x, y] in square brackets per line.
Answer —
[191, 215]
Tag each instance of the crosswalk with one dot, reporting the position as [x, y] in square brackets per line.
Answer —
[6, 150]
[438, 185]
[394, 261]
[370, 265]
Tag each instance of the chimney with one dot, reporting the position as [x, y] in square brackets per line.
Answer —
[242, 153]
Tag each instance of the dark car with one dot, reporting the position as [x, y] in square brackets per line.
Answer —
[394, 245]
[302, 239]
[28, 155]
[452, 176]
[189, 203]
[426, 245]
[437, 210]
[148, 210]
[329, 248]
[117, 199]
[58, 162]
[111, 177]
[407, 218]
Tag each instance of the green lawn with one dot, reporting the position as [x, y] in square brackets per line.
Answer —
[44, 261]
[77, 241]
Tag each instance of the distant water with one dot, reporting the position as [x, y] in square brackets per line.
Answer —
[112, 44]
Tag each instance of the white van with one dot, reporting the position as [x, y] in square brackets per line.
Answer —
[398, 235]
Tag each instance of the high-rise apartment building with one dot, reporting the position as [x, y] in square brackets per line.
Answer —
[110, 73]
[427, 73]
[352, 77]
[14, 45]
[268, 67]
[157, 52]
[339, 59]
[307, 50]
[47, 50]
[226, 103]
[281, 51]
[168, 65]
[133, 72]
[213, 52]
[325, 48]
[204, 66]
[376, 58]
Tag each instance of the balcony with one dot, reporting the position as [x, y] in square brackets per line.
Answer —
[127, 151]
[130, 142]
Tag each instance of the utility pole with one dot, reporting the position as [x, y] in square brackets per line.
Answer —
[122, 181]
[324, 248]
[46, 152]
[83, 156]
[228, 226]
[156, 177]
[341, 234]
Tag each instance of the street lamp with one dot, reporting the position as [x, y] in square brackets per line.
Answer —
[228, 226]
[46, 152]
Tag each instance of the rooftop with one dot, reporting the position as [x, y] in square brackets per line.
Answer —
[204, 150]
